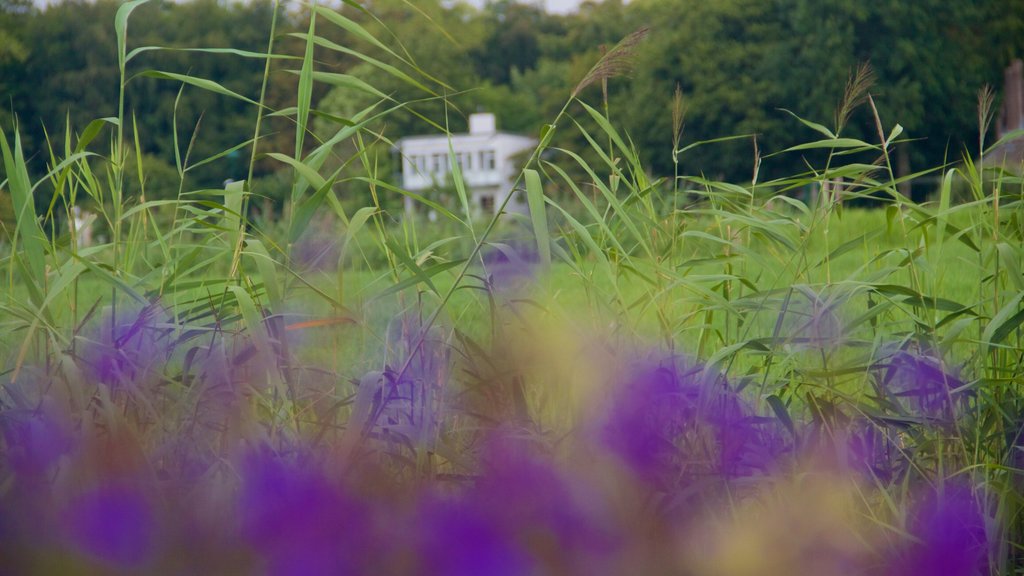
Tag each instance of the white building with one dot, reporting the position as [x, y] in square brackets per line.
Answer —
[484, 156]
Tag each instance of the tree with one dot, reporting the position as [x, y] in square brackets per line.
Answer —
[723, 56]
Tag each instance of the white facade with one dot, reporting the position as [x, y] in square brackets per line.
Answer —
[484, 156]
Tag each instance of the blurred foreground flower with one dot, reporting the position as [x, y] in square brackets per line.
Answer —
[871, 452]
[458, 539]
[510, 267]
[302, 523]
[35, 441]
[921, 384]
[947, 529]
[672, 423]
[416, 376]
[555, 516]
[114, 523]
[127, 346]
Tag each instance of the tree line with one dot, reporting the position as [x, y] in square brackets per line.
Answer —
[734, 66]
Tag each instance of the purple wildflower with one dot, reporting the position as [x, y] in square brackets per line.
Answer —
[415, 378]
[869, 451]
[302, 523]
[669, 424]
[509, 267]
[128, 346]
[949, 533]
[35, 442]
[522, 493]
[921, 384]
[458, 539]
[114, 524]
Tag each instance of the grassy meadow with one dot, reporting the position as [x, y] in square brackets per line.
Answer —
[643, 375]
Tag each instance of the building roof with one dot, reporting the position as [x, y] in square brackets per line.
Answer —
[482, 128]
[460, 137]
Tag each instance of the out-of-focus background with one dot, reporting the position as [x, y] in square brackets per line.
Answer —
[737, 63]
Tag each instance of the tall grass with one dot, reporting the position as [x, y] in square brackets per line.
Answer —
[868, 358]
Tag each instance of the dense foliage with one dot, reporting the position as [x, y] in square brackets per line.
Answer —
[738, 62]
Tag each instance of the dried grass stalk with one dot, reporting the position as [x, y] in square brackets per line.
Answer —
[616, 62]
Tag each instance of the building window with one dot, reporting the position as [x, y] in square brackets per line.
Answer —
[460, 159]
[487, 161]
[421, 164]
[487, 203]
[438, 164]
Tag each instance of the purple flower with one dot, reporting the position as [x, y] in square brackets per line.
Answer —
[948, 529]
[509, 267]
[415, 378]
[457, 539]
[298, 520]
[920, 384]
[128, 346]
[670, 424]
[548, 514]
[114, 524]
[35, 442]
[870, 452]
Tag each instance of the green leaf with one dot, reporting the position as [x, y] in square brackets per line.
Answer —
[320, 41]
[832, 143]
[28, 231]
[230, 51]
[1010, 256]
[1008, 319]
[848, 246]
[218, 155]
[915, 298]
[307, 208]
[310, 174]
[354, 225]
[121, 29]
[339, 20]
[419, 276]
[267, 267]
[612, 133]
[305, 88]
[538, 215]
[714, 141]
[945, 193]
[812, 125]
[103, 271]
[460, 184]
[546, 132]
[418, 198]
[92, 130]
[253, 320]
[347, 81]
[781, 412]
[233, 194]
[203, 83]
[896, 131]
